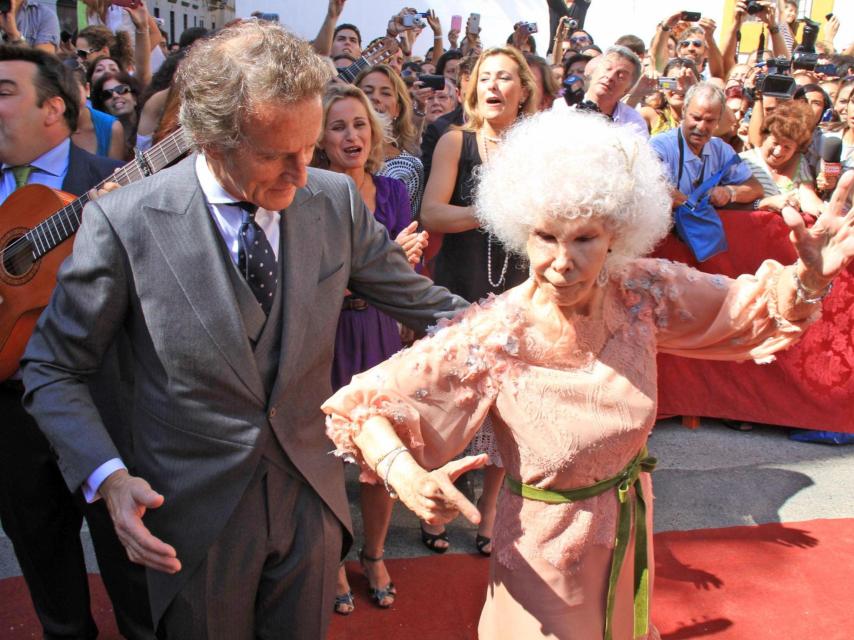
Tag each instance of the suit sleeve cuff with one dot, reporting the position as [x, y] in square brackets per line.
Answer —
[93, 482]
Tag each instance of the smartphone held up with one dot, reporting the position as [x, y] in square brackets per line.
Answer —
[127, 4]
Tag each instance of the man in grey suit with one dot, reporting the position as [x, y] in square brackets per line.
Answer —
[227, 272]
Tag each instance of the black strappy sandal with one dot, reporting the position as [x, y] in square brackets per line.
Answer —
[481, 542]
[382, 594]
[430, 540]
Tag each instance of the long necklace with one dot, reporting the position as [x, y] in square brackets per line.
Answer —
[489, 238]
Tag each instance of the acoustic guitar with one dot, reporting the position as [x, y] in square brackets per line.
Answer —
[36, 223]
[378, 52]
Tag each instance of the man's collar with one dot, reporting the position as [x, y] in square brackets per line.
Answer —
[689, 152]
[214, 192]
[53, 161]
[595, 100]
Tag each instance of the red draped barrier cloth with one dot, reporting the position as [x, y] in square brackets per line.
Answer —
[810, 386]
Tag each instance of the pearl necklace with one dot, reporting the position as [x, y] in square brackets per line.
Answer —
[489, 238]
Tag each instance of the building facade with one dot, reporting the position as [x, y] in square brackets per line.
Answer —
[174, 15]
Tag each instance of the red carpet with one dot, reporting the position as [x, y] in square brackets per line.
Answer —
[771, 582]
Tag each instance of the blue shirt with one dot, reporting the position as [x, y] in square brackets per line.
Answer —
[49, 169]
[716, 153]
[103, 125]
[38, 23]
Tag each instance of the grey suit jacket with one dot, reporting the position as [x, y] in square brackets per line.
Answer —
[146, 261]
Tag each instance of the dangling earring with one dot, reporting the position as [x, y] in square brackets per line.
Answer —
[602, 277]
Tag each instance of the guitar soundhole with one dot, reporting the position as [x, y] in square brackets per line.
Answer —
[17, 255]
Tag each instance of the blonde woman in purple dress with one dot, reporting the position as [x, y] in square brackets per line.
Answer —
[352, 142]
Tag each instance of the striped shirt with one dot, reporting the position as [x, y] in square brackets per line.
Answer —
[753, 159]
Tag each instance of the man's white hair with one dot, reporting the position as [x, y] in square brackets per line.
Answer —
[570, 165]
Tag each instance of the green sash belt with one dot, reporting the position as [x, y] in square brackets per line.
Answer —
[636, 510]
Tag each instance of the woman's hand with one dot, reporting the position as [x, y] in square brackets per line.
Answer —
[824, 182]
[685, 79]
[454, 38]
[827, 247]
[434, 23]
[431, 495]
[739, 12]
[412, 242]
[779, 201]
[831, 29]
[138, 15]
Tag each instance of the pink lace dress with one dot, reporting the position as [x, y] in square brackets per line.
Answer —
[569, 409]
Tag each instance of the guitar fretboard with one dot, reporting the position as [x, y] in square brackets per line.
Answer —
[348, 74]
[63, 224]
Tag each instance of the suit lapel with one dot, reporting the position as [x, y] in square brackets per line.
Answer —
[79, 177]
[188, 240]
[300, 269]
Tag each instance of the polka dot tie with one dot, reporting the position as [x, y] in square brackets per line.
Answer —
[255, 258]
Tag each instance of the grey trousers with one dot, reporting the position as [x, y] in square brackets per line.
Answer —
[270, 574]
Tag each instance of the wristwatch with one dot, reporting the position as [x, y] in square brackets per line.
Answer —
[19, 40]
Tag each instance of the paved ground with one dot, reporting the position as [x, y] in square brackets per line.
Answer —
[711, 477]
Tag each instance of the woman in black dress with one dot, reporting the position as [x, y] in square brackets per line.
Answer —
[471, 263]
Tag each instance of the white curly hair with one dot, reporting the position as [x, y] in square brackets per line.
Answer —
[570, 164]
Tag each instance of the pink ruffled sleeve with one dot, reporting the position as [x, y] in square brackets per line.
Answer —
[701, 315]
[436, 394]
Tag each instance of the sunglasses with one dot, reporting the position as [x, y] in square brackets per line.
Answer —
[83, 53]
[119, 90]
[579, 39]
[696, 43]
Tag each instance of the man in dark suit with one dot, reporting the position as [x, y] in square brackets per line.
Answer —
[42, 518]
[227, 272]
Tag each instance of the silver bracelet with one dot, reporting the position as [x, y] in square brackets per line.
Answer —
[802, 294]
[384, 456]
[392, 456]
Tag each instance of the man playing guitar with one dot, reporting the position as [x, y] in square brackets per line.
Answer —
[39, 105]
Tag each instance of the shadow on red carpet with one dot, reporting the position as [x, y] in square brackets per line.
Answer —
[773, 581]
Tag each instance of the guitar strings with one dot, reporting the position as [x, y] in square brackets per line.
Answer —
[24, 250]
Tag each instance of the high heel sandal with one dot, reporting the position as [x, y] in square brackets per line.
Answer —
[430, 540]
[384, 596]
[481, 542]
[345, 604]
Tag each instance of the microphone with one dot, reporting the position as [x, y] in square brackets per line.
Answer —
[831, 156]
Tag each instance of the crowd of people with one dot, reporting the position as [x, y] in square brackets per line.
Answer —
[328, 201]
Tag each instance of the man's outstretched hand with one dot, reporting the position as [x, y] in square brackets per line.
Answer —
[127, 498]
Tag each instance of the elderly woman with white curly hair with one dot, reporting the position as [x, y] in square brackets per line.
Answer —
[565, 366]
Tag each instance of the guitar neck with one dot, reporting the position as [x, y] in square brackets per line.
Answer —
[349, 74]
[63, 224]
